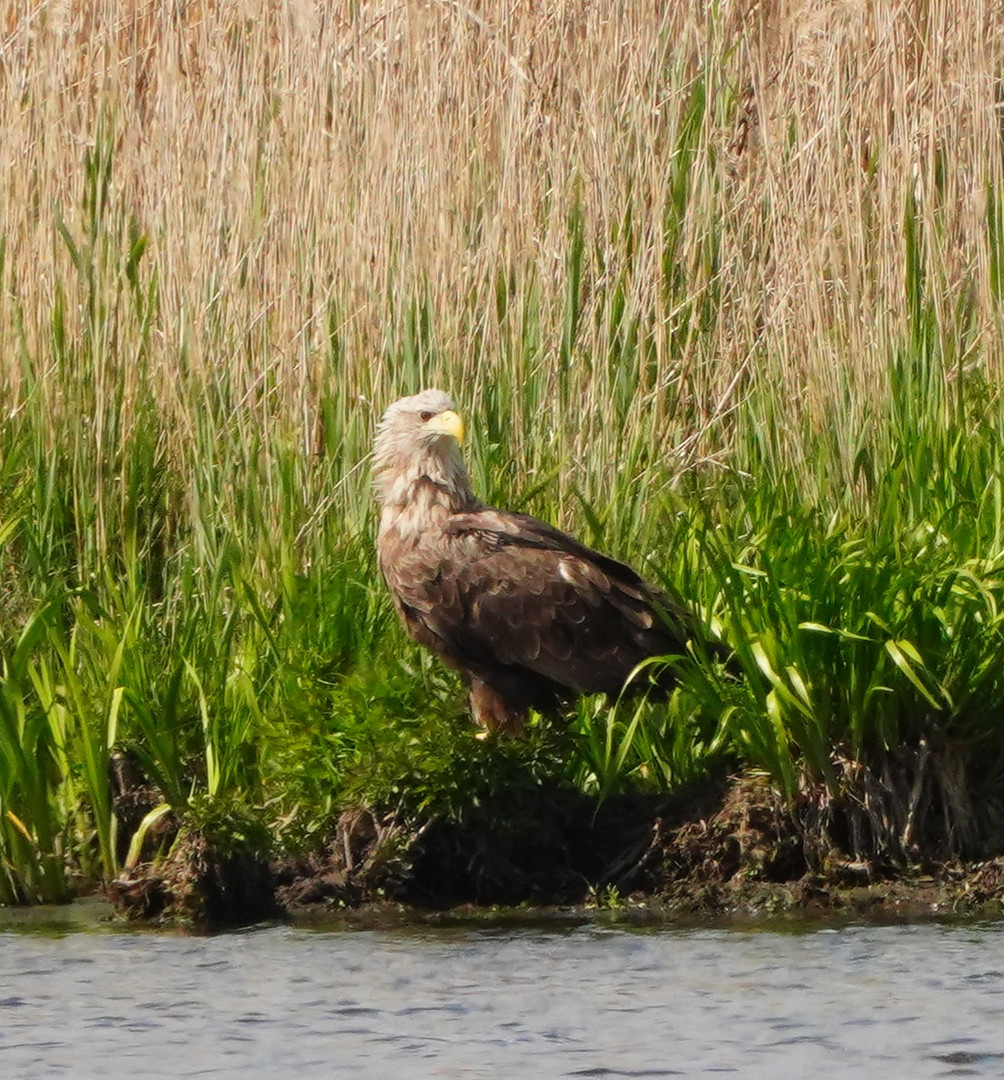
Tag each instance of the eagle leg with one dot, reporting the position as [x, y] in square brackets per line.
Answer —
[492, 711]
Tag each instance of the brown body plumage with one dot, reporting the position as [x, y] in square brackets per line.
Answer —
[528, 615]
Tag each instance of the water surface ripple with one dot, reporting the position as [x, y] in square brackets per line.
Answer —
[911, 1002]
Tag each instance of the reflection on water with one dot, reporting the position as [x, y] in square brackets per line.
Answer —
[921, 1001]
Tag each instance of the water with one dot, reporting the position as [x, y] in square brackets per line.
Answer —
[508, 1003]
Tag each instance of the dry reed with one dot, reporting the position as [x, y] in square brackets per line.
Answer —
[308, 173]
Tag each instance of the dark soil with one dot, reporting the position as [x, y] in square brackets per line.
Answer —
[728, 850]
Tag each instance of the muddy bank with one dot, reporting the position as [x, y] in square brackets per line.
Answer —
[726, 850]
[730, 849]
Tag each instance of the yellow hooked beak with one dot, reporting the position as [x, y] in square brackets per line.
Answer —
[446, 423]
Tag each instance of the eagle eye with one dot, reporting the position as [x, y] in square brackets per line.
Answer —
[425, 415]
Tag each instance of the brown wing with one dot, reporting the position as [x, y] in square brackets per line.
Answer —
[515, 591]
[421, 576]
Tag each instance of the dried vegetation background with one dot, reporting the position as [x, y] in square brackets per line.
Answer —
[376, 194]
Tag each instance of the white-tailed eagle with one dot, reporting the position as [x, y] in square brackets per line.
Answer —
[530, 617]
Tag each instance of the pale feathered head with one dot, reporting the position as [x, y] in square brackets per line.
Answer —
[419, 438]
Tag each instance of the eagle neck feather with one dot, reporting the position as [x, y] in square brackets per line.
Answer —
[423, 494]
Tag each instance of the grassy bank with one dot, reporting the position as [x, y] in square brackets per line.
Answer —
[717, 289]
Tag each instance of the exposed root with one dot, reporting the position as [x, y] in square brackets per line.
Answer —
[198, 886]
[913, 807]
[361, 863]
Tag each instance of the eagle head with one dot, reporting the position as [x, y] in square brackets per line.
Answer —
[419, 439]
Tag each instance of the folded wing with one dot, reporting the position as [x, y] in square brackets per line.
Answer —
[514, 591]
